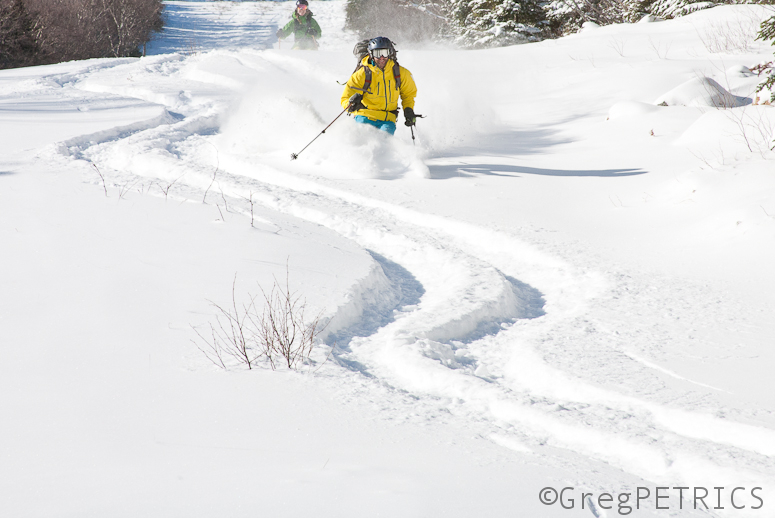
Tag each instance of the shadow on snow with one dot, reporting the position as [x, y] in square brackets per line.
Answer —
[374, 317]
[530, 300]
[530, 305]
[190, 29]
[444, 172]
[503, 143]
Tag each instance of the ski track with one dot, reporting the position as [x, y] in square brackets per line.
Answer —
[499, 333]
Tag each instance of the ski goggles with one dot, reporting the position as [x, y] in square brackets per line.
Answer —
[380, 53]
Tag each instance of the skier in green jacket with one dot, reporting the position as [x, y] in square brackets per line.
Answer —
[304, 28]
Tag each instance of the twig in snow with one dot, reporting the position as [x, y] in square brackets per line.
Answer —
[104, 187]
[215, 173]
[124, 189]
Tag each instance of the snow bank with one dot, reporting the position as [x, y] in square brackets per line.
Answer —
[739, 130]
[702, 91]
[626, 109]
[365, 306]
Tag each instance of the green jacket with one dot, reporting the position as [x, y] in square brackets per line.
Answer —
[305, 31]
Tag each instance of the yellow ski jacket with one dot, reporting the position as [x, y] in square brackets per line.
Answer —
[381, 100]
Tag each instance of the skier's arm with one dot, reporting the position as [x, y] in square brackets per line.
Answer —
[408, 89]
[356, 81]
[314, 28]
[286, 31]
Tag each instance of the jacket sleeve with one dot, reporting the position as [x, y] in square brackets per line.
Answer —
[356, 80]
[287, 30]
[408, 89]
[316, 28]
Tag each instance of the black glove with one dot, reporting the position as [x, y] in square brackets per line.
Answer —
[311, 31]
[409, 116]
[355, 103]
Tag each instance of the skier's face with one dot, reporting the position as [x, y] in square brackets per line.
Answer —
[302, 10]
[380, 57]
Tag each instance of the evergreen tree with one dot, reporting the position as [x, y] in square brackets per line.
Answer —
[567, 16]
[676, 8]
[767, 32]
[495, 23]
[472, 23]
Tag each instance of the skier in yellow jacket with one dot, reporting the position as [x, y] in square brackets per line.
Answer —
[372, 92]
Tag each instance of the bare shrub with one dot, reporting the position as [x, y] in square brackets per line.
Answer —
[67, 30]
[280, 334]
[731, 36]
[191, 46]
[232, 336]
[661, 50]
[284, 334]
[754, 128]
[63, 30]
[166, 187]
[618, 45]
[102, 178]
[17, 35]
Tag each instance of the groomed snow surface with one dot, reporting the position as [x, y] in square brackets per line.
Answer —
[565, 281]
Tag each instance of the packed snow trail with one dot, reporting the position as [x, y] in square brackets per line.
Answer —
[471, 342]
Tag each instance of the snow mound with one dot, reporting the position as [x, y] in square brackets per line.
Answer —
[702, 91]
[589, 26]
[624, 109]
[739, 71]
[751, 131]
[650, 18]
[370, 297]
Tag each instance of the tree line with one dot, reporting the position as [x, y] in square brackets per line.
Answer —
[494, 23]
[497, 23]
[37, 32]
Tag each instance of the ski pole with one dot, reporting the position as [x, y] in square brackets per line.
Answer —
[294, 156]
[416, 116]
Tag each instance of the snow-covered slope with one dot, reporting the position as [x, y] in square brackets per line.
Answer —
[564, 281]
